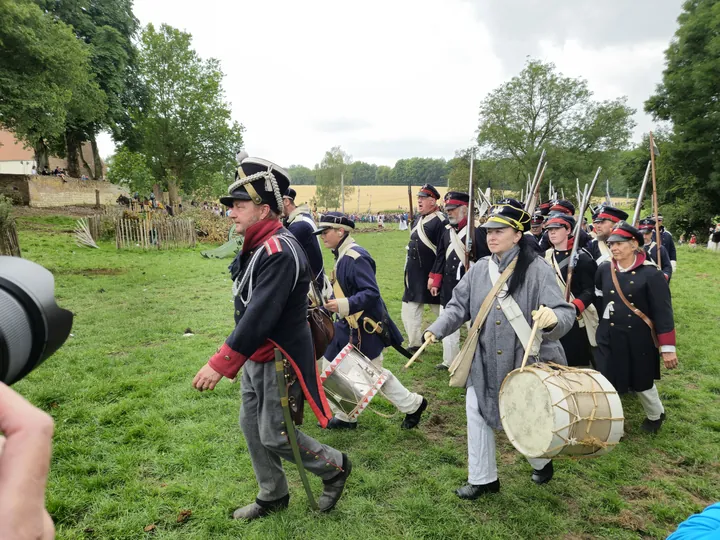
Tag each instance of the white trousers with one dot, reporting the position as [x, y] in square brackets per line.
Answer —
[482, 467]
[392, 390]
[651, 404]
[713, 246]
[412, 318]
[451, 345]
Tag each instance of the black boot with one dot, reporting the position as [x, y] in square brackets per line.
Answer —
[336, 423]
[472, 492]
[652, 426]
[441, 367]
[544, 475]
[413, 419]
[333, 488]
[259, 509]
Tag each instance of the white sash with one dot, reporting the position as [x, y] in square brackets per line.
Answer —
[605, 254]
[457, 245]
[514, 314]
[422, 235]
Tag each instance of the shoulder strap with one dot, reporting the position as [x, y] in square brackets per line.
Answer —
[632, 308]
[420, 228]
[487, 303]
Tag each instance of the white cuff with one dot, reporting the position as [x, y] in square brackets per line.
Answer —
[343, 307]
[667, 348]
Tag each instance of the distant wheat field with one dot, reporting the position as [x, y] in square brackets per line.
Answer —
[384, 198]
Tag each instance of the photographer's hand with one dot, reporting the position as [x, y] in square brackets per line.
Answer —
[24, 466]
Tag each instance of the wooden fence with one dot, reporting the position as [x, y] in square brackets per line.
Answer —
[9, 244]
[154, 233]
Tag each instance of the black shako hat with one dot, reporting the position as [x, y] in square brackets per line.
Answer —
[610, 213]
[561, 221]
[565, 207]
[428, 190]
[335, 220]
[506, 215]
[625, 232]
[257, 180]
[453, 199]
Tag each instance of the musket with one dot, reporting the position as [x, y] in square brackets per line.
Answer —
[578, 192]
[656, 209]
[530, 208]
[485, 203]
[534, 183]
[410, 214]
[587, 195]
[563, 193]
[608, 201]
[641, 196]
[471, 215]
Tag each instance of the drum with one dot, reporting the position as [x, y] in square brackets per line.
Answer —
[351, 381]
[550, 411]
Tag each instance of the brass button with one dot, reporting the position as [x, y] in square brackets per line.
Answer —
[629, 314]
[282, 433]
[237, 312]
[497, 322]
[629, 326]
[498, 307]
[633, 273]
[227, 357]
[612, 324]
[632, 283]
[499, 351]
[630, 295]
[612, 292]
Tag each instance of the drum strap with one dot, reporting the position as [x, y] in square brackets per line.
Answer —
[632, 308]
[514, 314]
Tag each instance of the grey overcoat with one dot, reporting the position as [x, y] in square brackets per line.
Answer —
[499, 350]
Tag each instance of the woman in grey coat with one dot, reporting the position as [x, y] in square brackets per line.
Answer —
[533, 287]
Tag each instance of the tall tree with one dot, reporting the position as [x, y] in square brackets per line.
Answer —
[301, 176]
[108, 28]
[540, 108]
[44, 70]
[688, 97]
[185, 129]
[328, 174]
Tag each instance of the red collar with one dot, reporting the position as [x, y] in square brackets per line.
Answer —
[569, 247]
[459, 226]
[259, 232]
[639, 260]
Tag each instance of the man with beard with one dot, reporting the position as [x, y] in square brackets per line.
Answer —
[449, 265]
[421, 253]
[604, 221]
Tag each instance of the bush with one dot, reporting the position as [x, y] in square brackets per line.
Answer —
[5, 212]
[209, 227]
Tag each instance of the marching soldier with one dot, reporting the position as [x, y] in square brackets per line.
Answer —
[449, 265]
[528, 295]
[647, 228]
[578, 342]
[299, 221]
[564, 208]
[271, 277]
[363, 317]
[636, 327]
[536, 229]
[421, 253]
[668, 243]
[604, 221]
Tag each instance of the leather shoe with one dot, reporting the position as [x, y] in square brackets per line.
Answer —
[413, 419]
[259, 509]
[441, 367]
[472, 492]
[336, 423]
[652, 426]
[544, 475]
[333, 488]
[413, 350]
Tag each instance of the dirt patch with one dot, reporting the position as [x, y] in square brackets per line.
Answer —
[633, 493]
[63, 211]
[90, 271]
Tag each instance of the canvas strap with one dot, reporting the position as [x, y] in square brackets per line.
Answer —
[605, 254]
[422, 235]
[636, 311]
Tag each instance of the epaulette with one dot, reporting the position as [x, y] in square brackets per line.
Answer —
[272, 245]
[352, 253]
[448, 226]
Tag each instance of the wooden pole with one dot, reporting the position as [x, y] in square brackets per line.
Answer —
[658, 240]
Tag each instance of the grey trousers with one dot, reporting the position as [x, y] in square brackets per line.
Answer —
[263, 424]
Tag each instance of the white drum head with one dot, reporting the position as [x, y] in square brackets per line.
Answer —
[526, 412]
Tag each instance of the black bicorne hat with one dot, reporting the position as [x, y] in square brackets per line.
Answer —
[428, 190]
[625, 232]
[453, 199]
[335, 220]
[257, 180]
[610, 213]
[506, 215]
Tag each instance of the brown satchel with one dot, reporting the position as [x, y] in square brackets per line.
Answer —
[632, 308]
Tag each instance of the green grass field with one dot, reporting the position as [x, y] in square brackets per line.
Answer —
[135, 447]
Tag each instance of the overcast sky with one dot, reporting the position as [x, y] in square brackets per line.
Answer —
[396, 79]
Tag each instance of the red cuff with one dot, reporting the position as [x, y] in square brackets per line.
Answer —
[668, 338]
[667, 278]
[436, 279]
[227, 362]
[579, 305]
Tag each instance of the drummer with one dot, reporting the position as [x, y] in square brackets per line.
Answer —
[532, 291]
[636, 326]
[363, 319]
[578, 342]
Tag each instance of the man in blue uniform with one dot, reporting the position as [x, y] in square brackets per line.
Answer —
[271, 277]
[604, 221]
[647, 228]
[299, 221]
[421, 253]
[363, 317]
[668, 243]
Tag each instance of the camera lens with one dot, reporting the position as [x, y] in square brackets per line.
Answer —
[32, 326]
